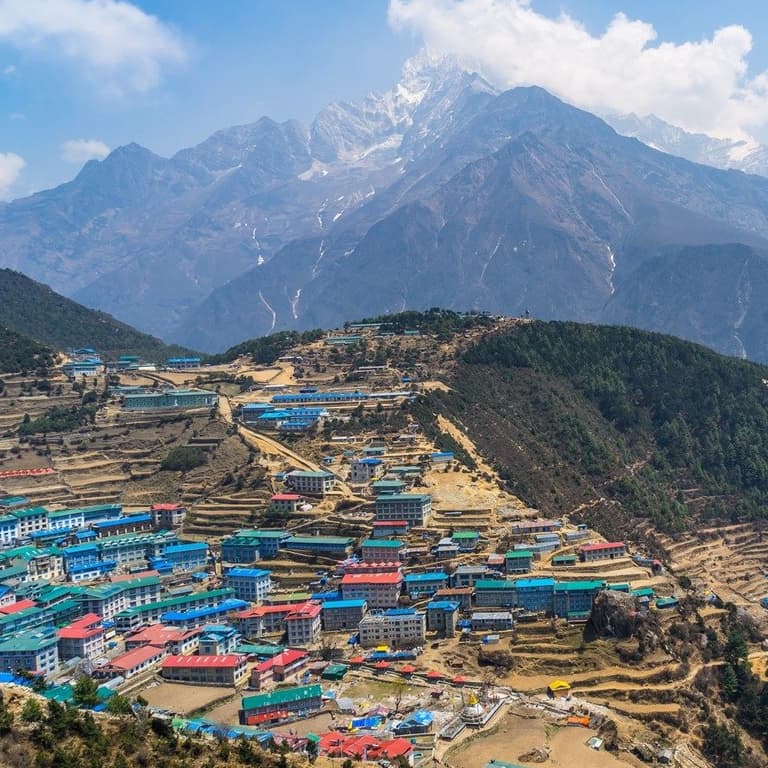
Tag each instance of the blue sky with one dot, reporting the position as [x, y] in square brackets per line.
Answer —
[78, 77]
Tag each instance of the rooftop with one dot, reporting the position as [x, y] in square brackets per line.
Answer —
[372, 578]
[229, 660]
[282, 696]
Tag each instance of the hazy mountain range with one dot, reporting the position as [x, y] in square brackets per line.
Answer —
[440, 192]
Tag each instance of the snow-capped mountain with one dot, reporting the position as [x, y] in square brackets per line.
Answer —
[438, 192]
[150, 237]
[739, 154]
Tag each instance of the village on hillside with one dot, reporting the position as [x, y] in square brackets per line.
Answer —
[285, 553]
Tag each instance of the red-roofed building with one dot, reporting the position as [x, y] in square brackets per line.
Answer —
[304, 624]
[286, 503]
[132, 662]
[279, 668]
[379, 590]
[82, 639]
[365, 747]
[168, 516]
[366, 567]
[385, 528]
[19, 605]
[228, 669]
[265, 619]
[607, 550]
[171, 640]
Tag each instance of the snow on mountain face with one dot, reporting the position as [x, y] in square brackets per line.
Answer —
[373, 130]
[736, 154]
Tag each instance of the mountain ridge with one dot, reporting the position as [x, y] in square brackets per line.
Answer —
[35, 311]
[375, 207]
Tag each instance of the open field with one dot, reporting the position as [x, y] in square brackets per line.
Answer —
[516, 735]
[184, 699]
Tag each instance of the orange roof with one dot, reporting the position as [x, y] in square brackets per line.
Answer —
[85, 627]
[407, 669]
[19, 605]
[225, 661]
[133, 658]
[372, 578]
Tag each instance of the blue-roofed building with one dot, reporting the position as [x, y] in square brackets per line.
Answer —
[187, 556]
[90, 571]
[98, 512]
[182, 363]
[442, 616]
[194, 617]
[251, 584]
[574, 599]
[131, 618]
[170, 399]
[535, 594]
[128, 524]
[79, 555]
[218, 640]
[365, 470]
[12, 502]
[425, 584]
[339, 615]
[9, 530]
[66, 519]
[76, 368]
[249, 545]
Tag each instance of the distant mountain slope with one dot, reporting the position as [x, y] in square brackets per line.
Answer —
[36, 311]
[558, 218]
[618, 422]
[438, 192]
[147, 238]
[739, 154]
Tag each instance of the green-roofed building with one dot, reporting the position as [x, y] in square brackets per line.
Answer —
[334, 672]
[336, 546]
[564, 561]
[575, 598]
[35, 651]
[467, 540]
[518, 561]
[31, 519]
[259, 651]
[290, 598]
[301, 700]
[131, 618]
[382, 550]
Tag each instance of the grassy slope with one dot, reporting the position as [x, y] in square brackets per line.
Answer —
[18, 353]
[37, 311]
[604, 417]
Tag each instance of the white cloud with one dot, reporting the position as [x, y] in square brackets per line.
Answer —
[699, 85]
[9, 69]
[10, 168]
[17, 116]
[82, 150]
[121, 47]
